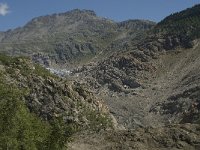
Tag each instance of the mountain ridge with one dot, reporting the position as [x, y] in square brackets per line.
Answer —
[83, 36]
[140, 80]
[129, 79]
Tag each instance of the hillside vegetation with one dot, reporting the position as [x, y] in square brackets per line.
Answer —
[39, 111]
[184, 23]
[132, 84]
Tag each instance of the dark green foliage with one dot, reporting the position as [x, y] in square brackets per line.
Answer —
[13, 63]
[184, 23]
[97, 121]
[6, 60]
[19, 129]
[24, 65]
[60, 134]
[23, 130]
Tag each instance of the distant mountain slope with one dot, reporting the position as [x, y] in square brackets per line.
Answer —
[186, 23]
[178, 30]
[75, 36]
[1, 35]
[136, 24]
[148, 75]
[152, 80]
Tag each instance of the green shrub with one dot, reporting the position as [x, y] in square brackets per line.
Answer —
[19, 129]
[23, 130]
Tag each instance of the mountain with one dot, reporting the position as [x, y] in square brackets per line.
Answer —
[131, 85]
[76, 36]
[152, 82]
[41, 111]
[136, 24]
[165, 138]
[152, 86]
[184, 23]
[180, 29]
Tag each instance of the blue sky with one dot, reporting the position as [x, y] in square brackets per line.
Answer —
[15, 13]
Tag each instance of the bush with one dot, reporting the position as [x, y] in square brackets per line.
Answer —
[21, 129]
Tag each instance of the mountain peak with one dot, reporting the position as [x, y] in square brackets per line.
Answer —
[81, 11]
[61, 18]
[136, 24]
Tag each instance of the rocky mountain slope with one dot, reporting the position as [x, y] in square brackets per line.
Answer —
[173, 137]
[38, 107]
[149, 85]
[185, 23]
[76, 36]
[152, 88]
[145, 75]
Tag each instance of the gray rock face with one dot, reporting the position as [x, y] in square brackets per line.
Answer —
[137, 24]
[170, 137]
[147, 79]
[76, 36]
[150, 82]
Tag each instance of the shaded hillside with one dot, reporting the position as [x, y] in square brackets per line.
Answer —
[177, 30]
[184, 23]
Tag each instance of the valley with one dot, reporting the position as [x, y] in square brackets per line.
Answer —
[102, 84]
